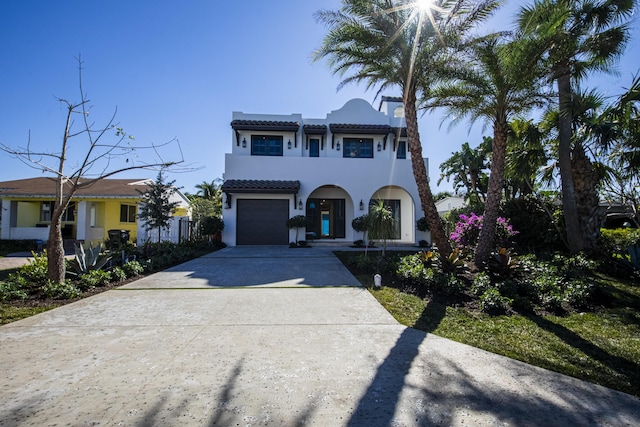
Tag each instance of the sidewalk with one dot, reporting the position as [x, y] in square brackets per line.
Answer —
[240, 338]
[15, 260]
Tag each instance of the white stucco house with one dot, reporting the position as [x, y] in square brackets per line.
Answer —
[450, 203]
[328, 169]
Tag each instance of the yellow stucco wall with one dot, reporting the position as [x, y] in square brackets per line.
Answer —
[28, 213]
[107, 214]
[112, 217]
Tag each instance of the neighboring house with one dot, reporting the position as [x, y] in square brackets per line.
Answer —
[448, 204]
[328, 169]
[109, 204]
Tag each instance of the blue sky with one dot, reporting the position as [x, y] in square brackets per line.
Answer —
[179, 69]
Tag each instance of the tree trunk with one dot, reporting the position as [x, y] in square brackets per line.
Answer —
[436, 227]
[565, 133]
[586, 182]
[55, 251]
[494, 194]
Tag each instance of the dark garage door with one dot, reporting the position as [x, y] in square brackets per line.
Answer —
[262, 222]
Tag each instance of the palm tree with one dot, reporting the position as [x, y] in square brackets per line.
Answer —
[572, 38]
[493, 85]
[526, 156]
[395, 43]
[619, 139]
[381, 224]
[467, 168]
[208, 190]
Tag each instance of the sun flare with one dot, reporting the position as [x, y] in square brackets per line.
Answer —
[424, 5]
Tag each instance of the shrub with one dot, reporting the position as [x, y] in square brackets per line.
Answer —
[538, 221]
[118, 274]
[93, 279]
[491, 301]
[65, 290]
[411, 269]
[468, 229]
[617, 241]
[579, 292]
[133, 268]
[36, 270]
[481, 283]
[15, 287]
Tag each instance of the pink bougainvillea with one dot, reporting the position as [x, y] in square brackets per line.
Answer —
[468, 229]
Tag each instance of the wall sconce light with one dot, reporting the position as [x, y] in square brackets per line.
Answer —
[227, 201]
[338, 146]
[289, 145]
[244, 142]
[379, 146]
[361, 205]
[300, 205]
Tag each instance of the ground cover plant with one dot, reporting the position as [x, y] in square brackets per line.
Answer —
[27, 290]
[560, 313]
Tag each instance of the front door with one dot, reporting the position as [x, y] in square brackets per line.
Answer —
[327, 218]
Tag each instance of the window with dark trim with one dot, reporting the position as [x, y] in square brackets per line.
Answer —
[402, 150]
[46, 209]
[266, 145]
[69, 214]
[127, 213]
[358, 148]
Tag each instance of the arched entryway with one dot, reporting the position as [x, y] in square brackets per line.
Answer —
[402, 206]
[327, 209]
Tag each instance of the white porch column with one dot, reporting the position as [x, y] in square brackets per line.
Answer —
[81, 221]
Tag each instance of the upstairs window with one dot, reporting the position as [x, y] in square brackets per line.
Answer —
[127, 213]
[266, 145]
[402, 150]
[360, 148]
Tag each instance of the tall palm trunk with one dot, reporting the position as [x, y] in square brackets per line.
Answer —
[494, 193]
[585, 182]
[569, 205]
[438, 235]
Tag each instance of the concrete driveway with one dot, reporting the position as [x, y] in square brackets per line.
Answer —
[269, 336]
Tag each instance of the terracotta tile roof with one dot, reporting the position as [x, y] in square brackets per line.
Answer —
[264, 125]
[315, 129]
[357, 128]
[45, 187]
[260, 186]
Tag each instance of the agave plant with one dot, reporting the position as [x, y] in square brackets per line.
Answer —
[89, 259]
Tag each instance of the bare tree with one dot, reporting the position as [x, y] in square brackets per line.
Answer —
[98, 159]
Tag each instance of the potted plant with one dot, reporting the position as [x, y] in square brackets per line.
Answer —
[297, 222]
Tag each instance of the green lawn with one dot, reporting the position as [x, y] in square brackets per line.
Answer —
[601, 346]
[9, 313]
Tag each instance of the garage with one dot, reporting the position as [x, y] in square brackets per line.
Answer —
[262, 222]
